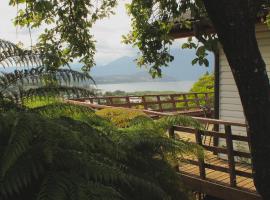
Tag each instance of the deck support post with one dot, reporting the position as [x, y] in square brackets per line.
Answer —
[231, 162]
[159, 103]
[198, 137]
[128, 102]
[171, 132]
[144, 102]
[186, 101]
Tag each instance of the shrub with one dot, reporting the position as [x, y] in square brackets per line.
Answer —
[40, 101]
[54, 157]
[75, 112]
[204, 84]
[121, 117]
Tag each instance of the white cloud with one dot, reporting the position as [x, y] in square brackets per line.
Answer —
[7, 30]
[107, 33]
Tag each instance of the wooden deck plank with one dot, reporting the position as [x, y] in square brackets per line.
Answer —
[219, 177]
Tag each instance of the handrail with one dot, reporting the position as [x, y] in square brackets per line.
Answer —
[146, 95]
[227, 136]
[148, 112]
[159, 102]
[151, 112]
[220, 122]
[227, 150]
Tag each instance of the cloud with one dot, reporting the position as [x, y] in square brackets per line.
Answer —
[108, 33]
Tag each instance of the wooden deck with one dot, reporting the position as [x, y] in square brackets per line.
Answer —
[190, 166]
[225, 171]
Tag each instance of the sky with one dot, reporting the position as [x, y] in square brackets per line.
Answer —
[107, 33]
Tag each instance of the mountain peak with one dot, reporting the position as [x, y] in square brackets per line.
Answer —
[180, 69]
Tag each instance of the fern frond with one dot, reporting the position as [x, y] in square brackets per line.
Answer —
[40, 75]
[55, 186]
[97, 191]
[19, 141]
[180, 120]
[59, 91]
[40, 82]
[12, 55]
[67, 157]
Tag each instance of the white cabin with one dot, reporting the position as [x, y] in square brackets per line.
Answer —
[230, 107]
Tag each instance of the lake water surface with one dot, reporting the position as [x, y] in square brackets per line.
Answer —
[178, 86]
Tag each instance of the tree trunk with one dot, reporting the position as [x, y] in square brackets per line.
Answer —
[234, 21]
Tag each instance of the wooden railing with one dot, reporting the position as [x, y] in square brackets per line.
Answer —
[232, 155]
[239, 174]
[160, 103]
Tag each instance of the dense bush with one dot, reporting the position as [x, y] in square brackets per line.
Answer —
[121, 117]
[57, 152]
[204, 84]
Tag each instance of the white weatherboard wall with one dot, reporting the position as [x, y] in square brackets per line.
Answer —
[230, 104]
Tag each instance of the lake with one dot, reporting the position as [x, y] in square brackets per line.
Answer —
[178, 86]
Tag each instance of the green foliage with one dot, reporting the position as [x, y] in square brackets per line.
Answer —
[34, 103]
[37, 82]
[180, 120]
[152, 23]
[121, 117]
[56, 152]
[204, 84]
[67, 36]
[86, 115]
[13, 55]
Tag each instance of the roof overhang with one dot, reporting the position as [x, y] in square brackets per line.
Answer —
[179, 32]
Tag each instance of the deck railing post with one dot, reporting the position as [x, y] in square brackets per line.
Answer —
[197, 101]
[110, 99]
[171, 132]
[173, 102]
[206, 99]
[230, 153]
[91, 100]
[128, 101]
[185, 101]
[144, 103]
[198, 137]
[98, 100]
[159, 103]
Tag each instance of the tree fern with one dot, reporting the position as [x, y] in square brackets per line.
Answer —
[64, 158]
[66, 152]
[12, 55]
[37, 80]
